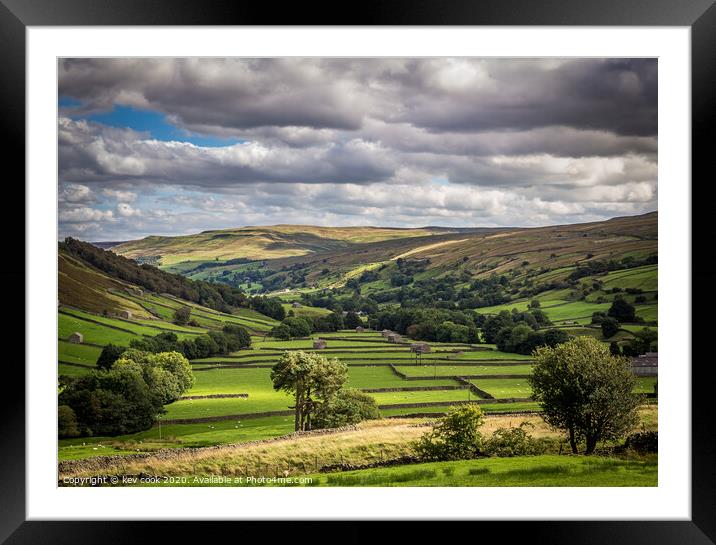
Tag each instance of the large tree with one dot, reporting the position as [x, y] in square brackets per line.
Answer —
[585, 390]
[313, 379]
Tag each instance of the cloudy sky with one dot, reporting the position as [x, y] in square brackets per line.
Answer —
[177, 146]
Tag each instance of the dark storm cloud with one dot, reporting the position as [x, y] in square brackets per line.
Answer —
[619, 96]
[465, 95]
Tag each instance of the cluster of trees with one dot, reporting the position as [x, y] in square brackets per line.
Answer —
[521, 332]
[317, 385]
[430, 324]
[268, 307]
[214, 343]
[349, 304]
[126, 397]
[619, 312]
[522, 339]
[591, 268]
[294, 327]
[643, 341]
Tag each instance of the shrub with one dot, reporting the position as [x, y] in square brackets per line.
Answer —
[66, 422]
[456, 436]
[507, 442]
[643, 442]
[182, 315]
[346, 407]
[622, 311]
[111, 402]
[236, 337]
[610, 327]
[109, 355]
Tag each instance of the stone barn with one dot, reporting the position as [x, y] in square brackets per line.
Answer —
[319, 344]
[394, 338]
[76, 338]
[420, 348]
[646, 365]
[125, 314]
[360, 329]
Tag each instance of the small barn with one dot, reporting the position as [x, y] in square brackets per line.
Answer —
[646, 365]
[420, 348]
[76, 338]
[125, 314]
[394, 338]
[360, 329]
[319, 344]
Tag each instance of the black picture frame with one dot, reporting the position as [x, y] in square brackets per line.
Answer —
[699, 15]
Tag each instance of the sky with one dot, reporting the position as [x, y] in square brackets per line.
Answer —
[178, 146]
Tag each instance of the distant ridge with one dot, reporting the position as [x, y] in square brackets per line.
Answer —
[107, 245]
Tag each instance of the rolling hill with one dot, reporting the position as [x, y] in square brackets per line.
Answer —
[260, 242]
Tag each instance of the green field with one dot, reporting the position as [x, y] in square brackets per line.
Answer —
[504, 387]
[78, 353]
[546, 470]
[463, 370]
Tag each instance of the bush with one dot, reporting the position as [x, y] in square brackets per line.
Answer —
[66, 422]
[507, 442]
[347, 407]
[182, 315]
[281, 331]
[109, 355]
[610, 327]
[113, 402]
[622, 311]
[456, 436]
[644, 442]
[236, 337]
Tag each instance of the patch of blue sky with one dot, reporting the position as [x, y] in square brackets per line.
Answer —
[156, 125]
[68, 102]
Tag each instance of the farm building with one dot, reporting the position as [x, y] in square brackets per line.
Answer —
[319, 344]
[76, 338]
[125, 314]
[360, 329]
[386, 332]
[421, 348]
[646, 365]
[394, 338]
[296, 305]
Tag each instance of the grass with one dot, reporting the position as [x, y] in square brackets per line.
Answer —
[78, 353]
[93, 333]
[464, 370]
[645, 278]
[73, 370]
[429, 396]
[545, 470]
[507, 387]
[178, 435]
[491, 408]
[383, 377]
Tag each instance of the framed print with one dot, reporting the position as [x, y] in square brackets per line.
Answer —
[402, 271]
